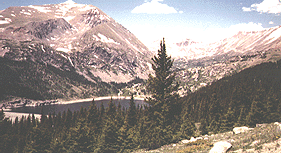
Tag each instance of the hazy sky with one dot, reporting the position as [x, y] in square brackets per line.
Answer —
[177, 19]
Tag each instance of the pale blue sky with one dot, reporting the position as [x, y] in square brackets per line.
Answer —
[208, 19]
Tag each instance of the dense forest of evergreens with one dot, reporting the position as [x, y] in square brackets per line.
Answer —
[110, 129]
[246, 98]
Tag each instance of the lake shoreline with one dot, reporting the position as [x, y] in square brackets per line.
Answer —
[96, 99]
[12, 115]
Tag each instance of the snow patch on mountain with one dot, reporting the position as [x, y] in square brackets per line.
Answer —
[66, 6]
[69, 18]
[41, 8]
[70, 61]
[133, 46]
[63, 49]
[87, 8]
[104, 39]
[26, 13]
[69, 2]
[274, 35]
[6, 21]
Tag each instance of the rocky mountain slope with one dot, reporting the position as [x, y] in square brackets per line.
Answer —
[77, 39]
[243, 42]
[87, 38]
[201, 64]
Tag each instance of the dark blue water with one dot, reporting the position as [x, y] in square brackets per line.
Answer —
[55, 108]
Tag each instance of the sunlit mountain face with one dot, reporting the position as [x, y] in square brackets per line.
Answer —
[83, 35]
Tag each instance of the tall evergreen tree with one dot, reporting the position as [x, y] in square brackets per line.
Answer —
[187, 129]
[162, 86]
[108, 141]
[81, 137]
[203, 126]
[131, 117]
[38, 140]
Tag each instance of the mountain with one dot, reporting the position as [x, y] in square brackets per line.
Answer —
[243, 42]
[199, 64]
[71, 39]
[83, 34]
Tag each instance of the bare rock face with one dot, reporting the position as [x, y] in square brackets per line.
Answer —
[220, 147]
[45, 28]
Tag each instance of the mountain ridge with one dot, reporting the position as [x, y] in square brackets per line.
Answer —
[70, 29]
[69, 38]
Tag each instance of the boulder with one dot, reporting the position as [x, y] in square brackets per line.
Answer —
[185, 141]
[192, 139]
[278, 124]
[242, 129]
[220, 147]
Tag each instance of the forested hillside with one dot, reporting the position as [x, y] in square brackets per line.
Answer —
[33, 80]
[246, 98]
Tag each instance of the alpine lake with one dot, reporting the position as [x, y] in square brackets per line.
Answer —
[56, 108]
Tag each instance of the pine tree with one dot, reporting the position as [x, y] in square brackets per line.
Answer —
[111, 109]
[93, 116]
[81, 137]
[68, 119]
[38, 140]
[241, 118]
[256, 114]
[108, 141]
[228, 119]
[132, 113]
[203, 127]
[164, 99]
[6, 136]
[102, 110]
[187, 128]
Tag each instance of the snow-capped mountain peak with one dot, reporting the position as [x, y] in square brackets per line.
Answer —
[243, 42]
[69, 2]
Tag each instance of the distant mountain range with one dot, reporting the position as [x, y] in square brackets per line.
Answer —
[203, 63]
[243, 42]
